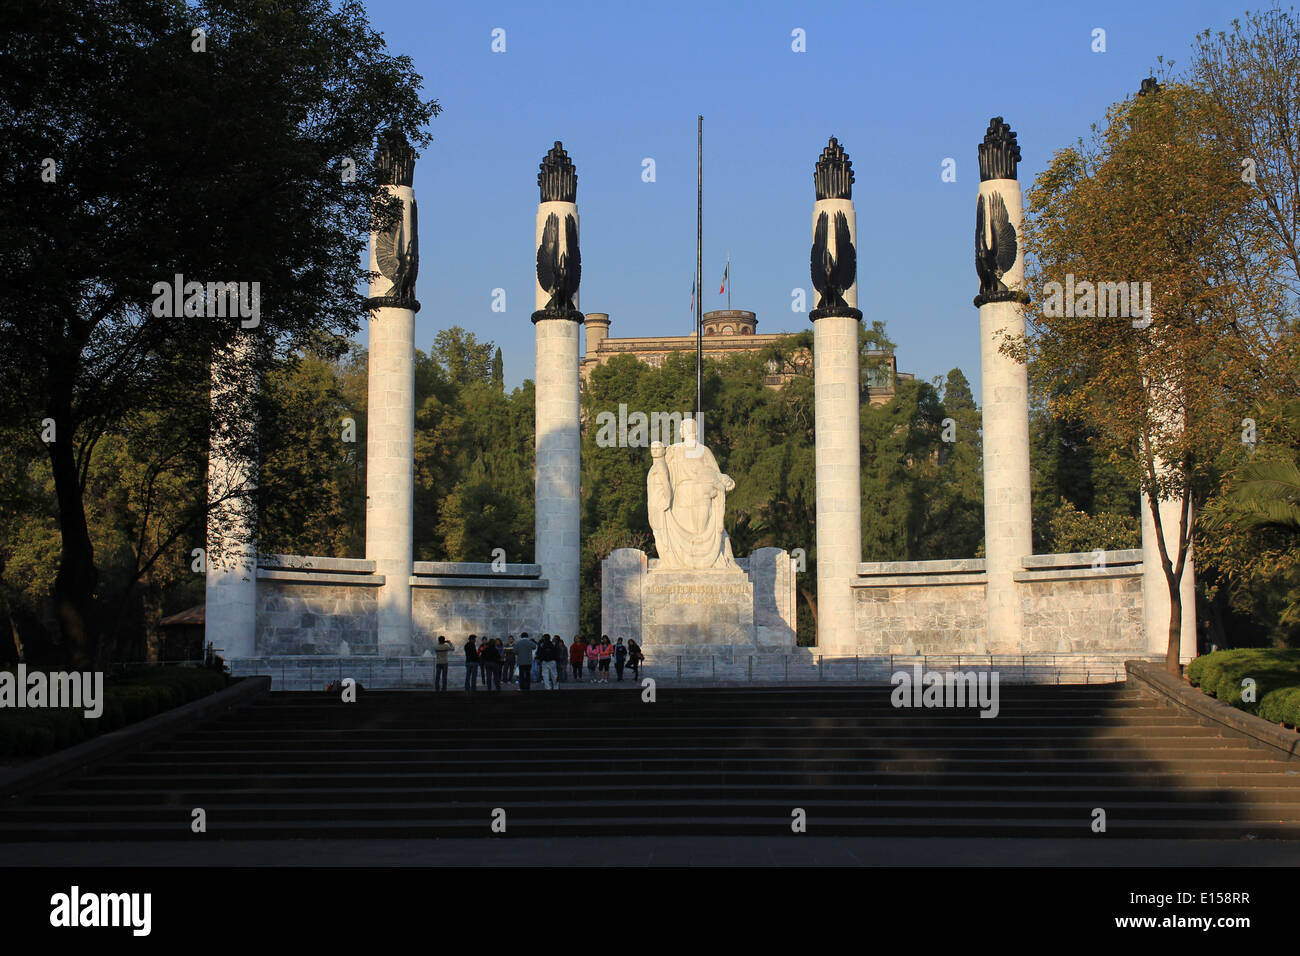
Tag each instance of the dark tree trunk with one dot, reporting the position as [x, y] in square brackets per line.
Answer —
[74, 585]
[1175, 626]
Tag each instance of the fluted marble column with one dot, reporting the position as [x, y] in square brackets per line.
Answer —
[390, 426]
[837, 391]
[557, 431]
[1008, 526]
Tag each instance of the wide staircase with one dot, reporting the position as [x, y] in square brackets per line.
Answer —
[711, 762]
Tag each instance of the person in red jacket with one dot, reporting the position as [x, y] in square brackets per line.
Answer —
[577, 651]
[593, 658]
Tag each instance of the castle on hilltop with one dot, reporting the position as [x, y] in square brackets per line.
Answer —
[727, 332]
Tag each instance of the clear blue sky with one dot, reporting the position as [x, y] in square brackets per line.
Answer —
[902, 85]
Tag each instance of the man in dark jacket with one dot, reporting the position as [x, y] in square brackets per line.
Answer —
[620, 657]
[471, 663]
[546, 656]
[489, 660]
[561, 659]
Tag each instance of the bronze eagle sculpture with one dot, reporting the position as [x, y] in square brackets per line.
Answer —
[559, 273]
[996, 254]
[397, 264]
[833, 277]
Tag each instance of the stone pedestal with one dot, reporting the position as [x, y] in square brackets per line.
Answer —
[680, 612]
[689, 609]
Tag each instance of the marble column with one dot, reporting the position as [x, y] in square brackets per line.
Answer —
[556, 324]
[837, 394]
[230, 560]
[1008, 526]
[390, 424]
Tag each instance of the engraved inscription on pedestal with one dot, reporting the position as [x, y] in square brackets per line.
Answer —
[697, 608]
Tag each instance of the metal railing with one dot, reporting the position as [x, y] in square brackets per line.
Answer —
[725, 669]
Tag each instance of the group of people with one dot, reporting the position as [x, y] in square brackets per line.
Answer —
[525, 661]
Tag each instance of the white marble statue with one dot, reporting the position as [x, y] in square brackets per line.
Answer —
[686, 496]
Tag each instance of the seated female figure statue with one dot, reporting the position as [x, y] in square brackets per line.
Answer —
[686, 498]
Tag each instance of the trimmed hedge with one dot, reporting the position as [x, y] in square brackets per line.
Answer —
[128, 699]
[1276, 674]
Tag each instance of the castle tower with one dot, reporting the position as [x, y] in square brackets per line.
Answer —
[390, 436]
[558, 437]
[597, 331]
[836, 319]
[230, 560]
[1008, 527]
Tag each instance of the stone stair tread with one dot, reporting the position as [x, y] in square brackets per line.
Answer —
[701, 761]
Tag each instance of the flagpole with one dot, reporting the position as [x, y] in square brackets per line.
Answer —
[729, 280]
[699, 269]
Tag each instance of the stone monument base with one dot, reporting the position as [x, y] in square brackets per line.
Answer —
[682, 611]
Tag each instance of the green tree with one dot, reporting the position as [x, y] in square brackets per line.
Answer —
[1152, 199]
[219, 165]
[462, 358]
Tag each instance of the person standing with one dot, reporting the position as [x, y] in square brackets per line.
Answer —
[634, 657]
[489, 658]
[577, 654]
[620, 657]
[561, 659]
[605, 655]
[442, 655]
[508, 660]
[471, 663]
[524, 649]
[593, 660]
[546, 657]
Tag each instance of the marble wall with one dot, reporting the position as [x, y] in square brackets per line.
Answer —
[1069, 603]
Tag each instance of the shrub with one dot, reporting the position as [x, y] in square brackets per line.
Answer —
[1276, 674]
[132, 696]
[1281, 706]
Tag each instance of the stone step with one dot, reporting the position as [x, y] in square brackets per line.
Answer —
[433, 758]
[843, 773]
[254, 791]
[379, 749]
[699, 761]
[920, 826]
[441, 811]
